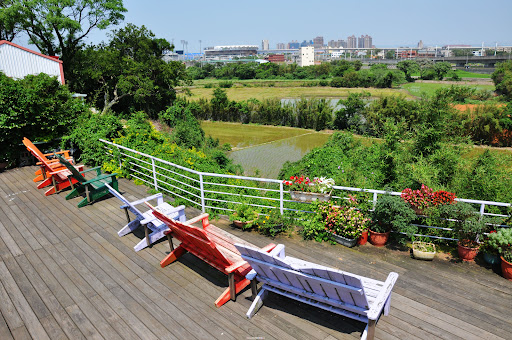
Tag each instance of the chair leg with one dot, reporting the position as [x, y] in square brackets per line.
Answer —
[173, 256]
[231, 294]
[257, 303]
[371, 330]
[254, 288]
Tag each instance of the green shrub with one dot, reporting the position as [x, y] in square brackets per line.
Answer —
[393, 213]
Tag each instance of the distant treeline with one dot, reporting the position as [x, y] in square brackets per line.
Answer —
[338, 73]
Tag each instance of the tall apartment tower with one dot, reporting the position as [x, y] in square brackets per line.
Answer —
[367, 41]
[318, 42]
[352, 41]
[420, 45]
[360, 41]
[280, 46]
[264, 45]
[307, 56]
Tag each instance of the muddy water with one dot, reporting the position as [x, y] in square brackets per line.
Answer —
[267, 159]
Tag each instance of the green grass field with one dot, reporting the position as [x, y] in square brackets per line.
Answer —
[417, 89]
[244, 135]
[260, 93]
[466, 74]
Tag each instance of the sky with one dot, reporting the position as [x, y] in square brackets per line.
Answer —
[391, 23]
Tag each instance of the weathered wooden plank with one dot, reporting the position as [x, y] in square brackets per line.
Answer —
[21, 333]
[52, 328]
[26, 313]
[8, 246]
[83, 323]
[5, 333]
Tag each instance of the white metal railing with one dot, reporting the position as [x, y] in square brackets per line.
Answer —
[194, 187]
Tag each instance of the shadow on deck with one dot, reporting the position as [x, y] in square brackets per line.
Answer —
[64, 273]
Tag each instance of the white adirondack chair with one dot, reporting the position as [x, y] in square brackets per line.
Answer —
[147, 219]
[343, 293]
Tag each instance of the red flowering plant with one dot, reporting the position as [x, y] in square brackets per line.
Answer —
[304, 183]
[426, 198]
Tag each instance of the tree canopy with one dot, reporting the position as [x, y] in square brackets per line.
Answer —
[127, 73]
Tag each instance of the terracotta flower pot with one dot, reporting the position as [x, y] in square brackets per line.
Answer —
[506, 269]
[379, 239]
[363, 238]
[240, 224]
[466, 253]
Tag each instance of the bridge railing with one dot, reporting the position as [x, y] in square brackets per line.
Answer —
[221, 192]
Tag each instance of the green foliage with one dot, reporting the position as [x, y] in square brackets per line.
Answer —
[128, 74]
[245, 213]
[274, 223]
[352, 111]
[87, 131]
[502, 78]
[499, 241]
[393, 213]
[408, 67]
[59, 28]
[314, 224]
[36, 107]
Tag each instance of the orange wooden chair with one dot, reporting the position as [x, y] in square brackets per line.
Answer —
[43, 172]
[212, 245]
[53, 173]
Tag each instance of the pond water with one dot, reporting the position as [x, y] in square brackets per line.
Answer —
[267, 159]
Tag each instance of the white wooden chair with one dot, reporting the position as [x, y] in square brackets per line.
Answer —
[343, 293]
[147, 219]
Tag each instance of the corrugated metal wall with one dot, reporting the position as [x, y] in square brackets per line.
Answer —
[17, 63]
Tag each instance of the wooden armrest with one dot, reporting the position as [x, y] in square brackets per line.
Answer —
[56, 172]
[66, 152]
[95, 179]
[251, 275]
[235, 266]
[276, 250]
[50, 161]
[380, 301]
[159, 195]
[197, 219]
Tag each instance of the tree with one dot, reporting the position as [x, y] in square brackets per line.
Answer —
[408, 67]
[59, 27]
[129, 73]
[8, 23]
[502, 77]
[390, 54]
[441, 69]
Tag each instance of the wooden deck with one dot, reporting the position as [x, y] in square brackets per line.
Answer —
[64, 273]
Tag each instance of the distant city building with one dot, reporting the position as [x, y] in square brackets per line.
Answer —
[352, 41]
[280, 46]
[367, 41]
[318, 42]
[360, 42]
[306, 43]
[307, 56]
[264, 45]
[294, 44]
[17, 62]
[337, 44]
[420, 45]
[231, 51]
[275, 58]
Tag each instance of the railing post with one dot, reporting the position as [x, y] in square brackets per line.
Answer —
[201, 186]
[482, 209]
[374, 200]
[119, 157]
[154, 173]
[281, 196]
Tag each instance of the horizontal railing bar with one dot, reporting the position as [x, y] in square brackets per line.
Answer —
[175, 180]
[240, 186]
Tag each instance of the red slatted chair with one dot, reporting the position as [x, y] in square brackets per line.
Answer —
[212, 245]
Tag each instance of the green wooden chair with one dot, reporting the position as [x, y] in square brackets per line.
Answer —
[92, 189]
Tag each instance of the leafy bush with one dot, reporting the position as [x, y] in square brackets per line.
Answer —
[393, 213]
[36, 107]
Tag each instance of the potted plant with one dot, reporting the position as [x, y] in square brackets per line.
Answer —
[467, 225]
[273, 223]
[489, 251]
[390, 213]
[244, 216]
[346, 224]
[501, 242]
[304, 189]
[422, 250]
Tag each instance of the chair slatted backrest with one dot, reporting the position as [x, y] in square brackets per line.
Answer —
[74, 172]
[196, 241]
[37, 153]
[126, 203]
[324, 284]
